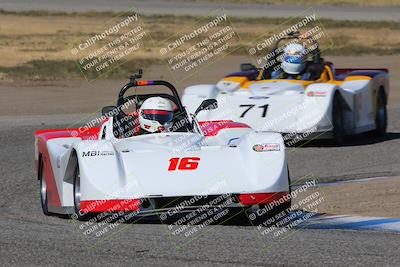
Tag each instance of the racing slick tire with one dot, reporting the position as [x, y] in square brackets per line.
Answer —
[380, 116]
[337, 121]
[43, 189]
[77, 197]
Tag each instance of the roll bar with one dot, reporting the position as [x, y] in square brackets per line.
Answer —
[134, 82]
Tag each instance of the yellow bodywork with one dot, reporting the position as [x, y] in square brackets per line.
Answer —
[326, 77]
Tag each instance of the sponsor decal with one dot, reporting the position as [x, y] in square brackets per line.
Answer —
[317, 93]
[258, 97]
[266, 147]
[97, 153]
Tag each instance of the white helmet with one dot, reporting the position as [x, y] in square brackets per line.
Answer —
[155, 114]
[293, 58]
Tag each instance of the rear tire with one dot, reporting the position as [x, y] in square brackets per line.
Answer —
[43, 189]
[380, 116]
[337, 121]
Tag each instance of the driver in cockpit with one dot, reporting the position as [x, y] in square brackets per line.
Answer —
[155, 115]
[293, 66]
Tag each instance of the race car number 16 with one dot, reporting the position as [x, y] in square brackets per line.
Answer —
[183, 164]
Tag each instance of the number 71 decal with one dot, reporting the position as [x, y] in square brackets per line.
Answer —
[250, 106]
[183, 164]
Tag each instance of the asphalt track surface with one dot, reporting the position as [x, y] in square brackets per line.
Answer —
[201, 8]
[29, 238]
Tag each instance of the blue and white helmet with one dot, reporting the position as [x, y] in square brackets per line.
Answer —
[293, 59]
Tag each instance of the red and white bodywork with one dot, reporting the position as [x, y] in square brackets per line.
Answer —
[219, 157]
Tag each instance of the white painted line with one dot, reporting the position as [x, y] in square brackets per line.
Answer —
[349, 222]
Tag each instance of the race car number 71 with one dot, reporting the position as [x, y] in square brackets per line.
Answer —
[250, 106]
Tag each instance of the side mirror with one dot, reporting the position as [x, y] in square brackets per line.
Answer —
[247, 67]
[109, 111]
[207, 104]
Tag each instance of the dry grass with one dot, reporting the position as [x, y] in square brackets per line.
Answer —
[28, 41]
[319, 2]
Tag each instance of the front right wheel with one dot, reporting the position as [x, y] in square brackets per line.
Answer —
[337, 121]
[380, 116]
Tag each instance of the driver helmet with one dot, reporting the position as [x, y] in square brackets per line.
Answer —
[155, 114]
[294, 58]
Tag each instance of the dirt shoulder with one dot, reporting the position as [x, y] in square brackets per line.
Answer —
[377, 198]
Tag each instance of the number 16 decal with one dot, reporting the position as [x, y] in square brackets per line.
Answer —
[183, 164]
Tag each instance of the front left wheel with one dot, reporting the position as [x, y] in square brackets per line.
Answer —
[77, 196]
[43, 189]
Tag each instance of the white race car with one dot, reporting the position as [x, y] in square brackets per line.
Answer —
[94, 170]
[331, 104]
